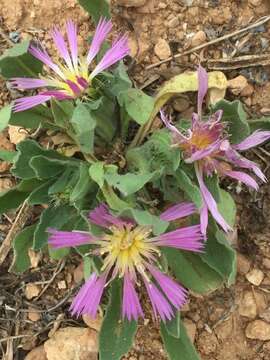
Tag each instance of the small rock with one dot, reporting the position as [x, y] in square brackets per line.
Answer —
[37, 354]
[130, 3]
[224, 330]
[33, 315]
[62, 285]
[162, 49]
[133, 45]
[207, 343]
[259, 330]
[243, 264]
[266, 263]
[174, 22]
[180, 104]
[93, 323]
[237, 84]
[5, 184]
[78, 273]
[265, 315]
[247, 306]
[16, 134]
[198, 39]
[4, 166]
[31, 291]
[254, 2]
[247, 91]
[190, 328]
[72, 343]
[255, 276]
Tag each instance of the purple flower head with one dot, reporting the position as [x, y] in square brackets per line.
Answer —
[71, 77]
[206, 145]
[130, 251]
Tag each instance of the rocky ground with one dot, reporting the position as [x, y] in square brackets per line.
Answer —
[231, 324]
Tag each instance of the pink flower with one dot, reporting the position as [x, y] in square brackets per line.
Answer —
[207, 146]
[128, 251]
[72, 77]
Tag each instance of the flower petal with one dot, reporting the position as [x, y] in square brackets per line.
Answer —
[27, 83]
[176, 133]
[203, 87]
[88, 298]
[244, 178]
[210, 202]
[204, 219]
[62, 47]
[72, 40]
[176, 294]
[200, 154]
[188, 238]
[253, 140]
[103, 28]
[117, 52]
[102, 217]
[159, 303]
[131, 308]
[61, 239]
[29, 102]
[178, 211]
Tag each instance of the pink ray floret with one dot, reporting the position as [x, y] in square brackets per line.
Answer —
[206, 145]
[129, 252]
[72, 76]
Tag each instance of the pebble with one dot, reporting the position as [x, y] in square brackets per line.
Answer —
[243, 264]
[190, 328]
[162, 49]
[131, 3]
[37, 354]
[198, 39]
[16, 134]
[254, 2]
[33, 315]
[266, 263]
[72, 343]
[237, 84]
[174, 22]
[78, 273]
[247, 306]
[31, 291]
[93, 323]
[259, 330]
[247, 91]
[255, 277]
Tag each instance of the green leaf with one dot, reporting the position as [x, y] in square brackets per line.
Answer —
[189, 187]
[21, 244]
[5, 114]
[120, 80]
[62, 112]
[84, 125]
[54, 217]
[33, 118]
[96, 172]
[27, 150]
[96, 8]
[83, 185]
[40, 195]
[262, 123]
[18, 62]
[235, 116]
[8, 156]
[116, 335]
[178, 348]
[212, 183]
[46, 168]
[138, 105]
[192, 271]
[129, 183]
[173, 326]
[58, 254]
[227, 207]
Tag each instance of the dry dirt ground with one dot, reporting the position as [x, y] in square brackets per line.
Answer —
[229, 324]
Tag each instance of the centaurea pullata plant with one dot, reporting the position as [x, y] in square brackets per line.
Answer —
[206, 145]
[130, 251]
[71, 77]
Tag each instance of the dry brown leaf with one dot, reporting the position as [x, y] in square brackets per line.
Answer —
[17, 134]
[6, 184]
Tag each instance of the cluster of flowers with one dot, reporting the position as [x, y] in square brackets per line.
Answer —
[128, 250]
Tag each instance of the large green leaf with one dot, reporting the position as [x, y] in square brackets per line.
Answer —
[96, 172]
[17, 61]
[62, 112]
[40, 195]
[178, 348]
[21, 244]
[96, 8]
[27, 150]
[236, 118]
[189, 187]
[54, 217]
[262, 123]
[227, 207]
[138, 105]
[192, 271]
[116, 335]
[83, 185]
[129, 183]
[8, 156]
[5, 114]
[84, 125]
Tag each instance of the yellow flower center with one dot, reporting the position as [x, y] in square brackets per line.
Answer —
[127, 247]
